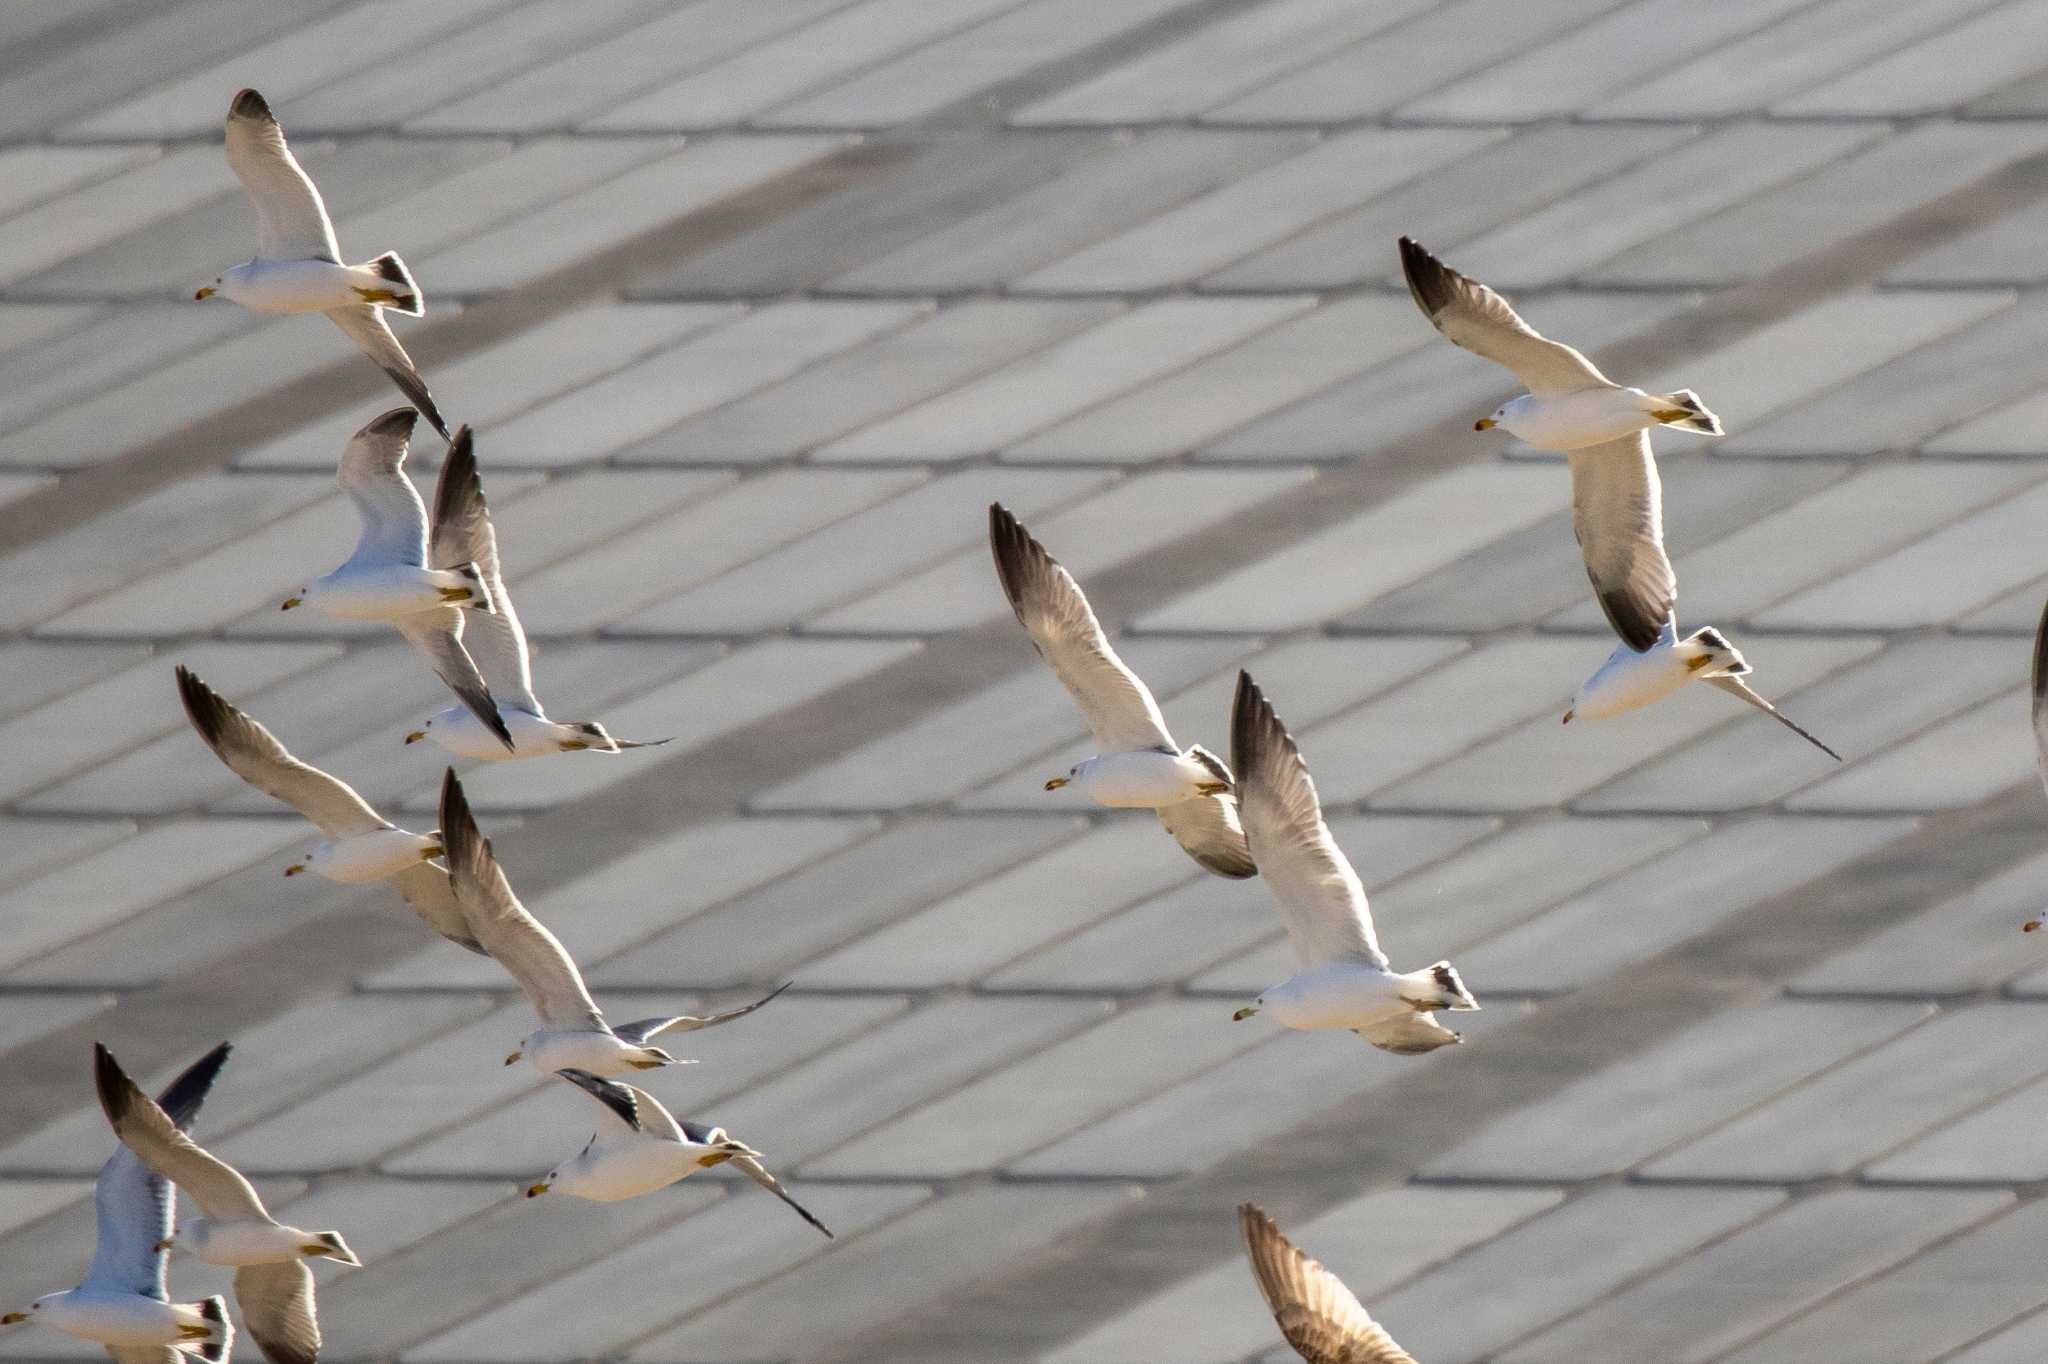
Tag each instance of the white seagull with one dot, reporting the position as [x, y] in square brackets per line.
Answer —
[1345, 980]
[643, 1148]
[1630, 679]
[1140, 766]
[497, 642]
[397, 575]
[298, 266]
[1617, 501]
[572, 1032]
[361, 845]
[123, 1303]
[1321, 1318]
[272, 1284]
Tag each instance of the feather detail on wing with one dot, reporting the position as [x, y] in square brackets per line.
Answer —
[756, 1171]
[217, 1187]
[134, 1203]
[1209, 830]
[372, 472]
[641, 1031]
[1618, 515]
[462, 533]
[431, 894]
[252, 753]
[633, 1109]
[437, 634]
[1409, 1034]
[364, 324]
[532, 956]
[291, 221]
[1480, 320]
[1321, 1318]
[277, 1307]
[1119, 708]
[1319, 896]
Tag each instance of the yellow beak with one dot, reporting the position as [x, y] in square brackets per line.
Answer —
[290, 602]
[1568, 717]
[207, 292]
[294, 869]
[1484, 424]
[536, 1190]
[164, 1244]
[416, 736]
[513, 1059]
[1246, 1012]
[1057, 782]
[13, 1317]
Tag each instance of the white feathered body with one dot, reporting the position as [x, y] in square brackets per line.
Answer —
[115, 1317]
[371, 856]
[627, 1166]
[300, 286]
[1345, 994]
[1143, 780]
[1629, 680]
[388, 591]
[243, 1242]
[1570, 421]
[599, 1053]
[458, 731]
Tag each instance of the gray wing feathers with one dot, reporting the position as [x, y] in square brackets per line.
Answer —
[1319, 896]
[1409, 1034]
[1321, 1318]
[620, 1102]
[277, 1307]
[462, 533]
[252, 753]
[133, 1204]
[291, 221]
[428, 890]
[1209, 830]
[1119, 708]
[372, 473]
[1480, 320]
[641, 1030]
[532, 956]
[1618, 515]
[758, 1172]
[437, 634]
[1736, 687]
[364, 324]
[218, 1188]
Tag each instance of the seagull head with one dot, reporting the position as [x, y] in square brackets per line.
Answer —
[1499, 417]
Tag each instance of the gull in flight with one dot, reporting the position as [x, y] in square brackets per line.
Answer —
[361, 845]
[298, 267]
[643, 1148]
[497, 642]
[1345, 980]
[398, 574]
[1629, 679]
[1617, 501]
[1140, 766]
[572, 1034]
[272, 1284]
[1320, 1317]
[123, 1303]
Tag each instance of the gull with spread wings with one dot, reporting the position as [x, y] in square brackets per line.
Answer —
[1603, 428]
[1345, 980]
[497, 642]
[1321, 1318]
[298, 268]
[573, 1034]
[643, 1148]
[361, 845]
[420, 584]
[273, 1287]
[1140, 766]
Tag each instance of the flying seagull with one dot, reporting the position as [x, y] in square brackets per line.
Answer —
[123, 1303]
[298, 267]
[273, 1287]
[361, 845]
[643, 1148]
[1629, 680]
[1617, 501]
[1320, 1317]
[1140, 766]
[397, 574]
[497, 642]
[571, 1028]
[1345, 980]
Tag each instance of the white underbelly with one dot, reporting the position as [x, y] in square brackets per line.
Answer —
[1141, 780]
[384, 593]
[294, 286]
[631, 1171]
[1571, 421]
[373, 856]
[1629, 681]
[1339, 996]
[116, 1318]
[599, 1053]
[458, 731]
[250, 1243]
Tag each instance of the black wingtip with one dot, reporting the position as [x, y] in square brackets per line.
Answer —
[398, 422]
[248, 103]
[612, 1095]
[462, 843]
[1432, 283]
[2041, 655]
[117, 1092]
[181, 1099]
[204, 707]
[461, 484]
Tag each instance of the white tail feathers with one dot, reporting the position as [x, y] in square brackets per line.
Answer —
[482, 600]
[1694, 414]
[214, 1312]
[1437, 987]
[1723, 658]
[405, 295]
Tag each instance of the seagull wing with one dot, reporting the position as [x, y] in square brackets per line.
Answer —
[133, 1202]
[1618, 515]
[277, 1307]
[521, 943]
[1208, 828]
[635, 1110]
[639, 1031]
[217, 1187]
[1409, 1034]
[462, 533]
[1481, 321]
[372, 473]
[1119, 707]
[437, 634]
[254, 754]
[428, 889]
[1317, 893]
[1320, 1317]
[758, 1172]
[1736, 687]
[291, 222]
[365, 325]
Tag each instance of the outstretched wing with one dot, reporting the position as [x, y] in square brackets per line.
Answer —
[462, 533]
[291, 222]
[758, 1172]
[1409, 1034]
[1119, 708]
[217, 1187]
[641, 1030]
[277, 1307]
[252, 753]
[364, 324]
[633, 1109]
[134, 1203]
[1738, 688]
[1481, 321]
[437, 634]
[1320, 1317]
[1319, 896]
[1618, 515]
[428, 890]
[1208, 828]
[522, 945]
[372, 473]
